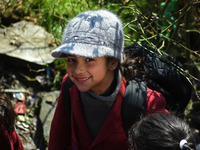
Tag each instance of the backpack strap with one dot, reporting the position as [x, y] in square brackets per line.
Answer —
[67, 84]
[134, 103]
[66, 96]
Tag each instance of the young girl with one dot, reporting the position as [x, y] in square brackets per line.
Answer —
[93, 46]
[161, 132]
[8, 137]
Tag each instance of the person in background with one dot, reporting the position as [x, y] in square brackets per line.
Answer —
[9, 140]
[160, 131]
[92, 44]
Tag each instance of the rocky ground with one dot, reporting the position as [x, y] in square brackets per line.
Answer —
[26, 77]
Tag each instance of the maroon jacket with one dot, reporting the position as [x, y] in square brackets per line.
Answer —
[9, 140]
[111, 135]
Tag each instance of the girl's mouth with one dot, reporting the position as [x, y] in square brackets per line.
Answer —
[82, 80]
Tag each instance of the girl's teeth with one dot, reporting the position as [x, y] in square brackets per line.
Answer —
[83, 79]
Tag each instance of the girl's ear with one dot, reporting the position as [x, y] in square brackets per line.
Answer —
[112, 64]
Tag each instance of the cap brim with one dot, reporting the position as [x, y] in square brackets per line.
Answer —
[81, 49]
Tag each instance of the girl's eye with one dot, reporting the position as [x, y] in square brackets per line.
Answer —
[89, 59]
[70, 60]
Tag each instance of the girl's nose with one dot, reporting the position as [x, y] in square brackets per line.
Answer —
[79, 68]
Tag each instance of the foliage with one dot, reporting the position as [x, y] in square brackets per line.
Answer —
[168, 25]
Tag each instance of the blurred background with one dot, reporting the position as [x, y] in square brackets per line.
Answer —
[30, 29]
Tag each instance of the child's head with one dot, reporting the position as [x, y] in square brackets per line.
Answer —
[161, 132]
[89, 41]
[92, 34]
[7, 114]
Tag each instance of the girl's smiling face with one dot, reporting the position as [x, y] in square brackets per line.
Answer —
[94, 74]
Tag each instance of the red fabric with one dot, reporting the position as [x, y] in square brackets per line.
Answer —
[155, 102]
[111, 135]
[9, 140]
[20, 108]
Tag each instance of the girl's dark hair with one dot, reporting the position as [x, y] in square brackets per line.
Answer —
[161, 132]
[134, 65]
[7, 114]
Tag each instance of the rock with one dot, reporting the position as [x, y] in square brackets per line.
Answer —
[27, 41]
[47, 110]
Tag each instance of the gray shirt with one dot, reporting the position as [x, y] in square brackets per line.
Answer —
[96, 108]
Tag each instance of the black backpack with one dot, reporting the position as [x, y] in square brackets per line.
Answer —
[166, 77]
